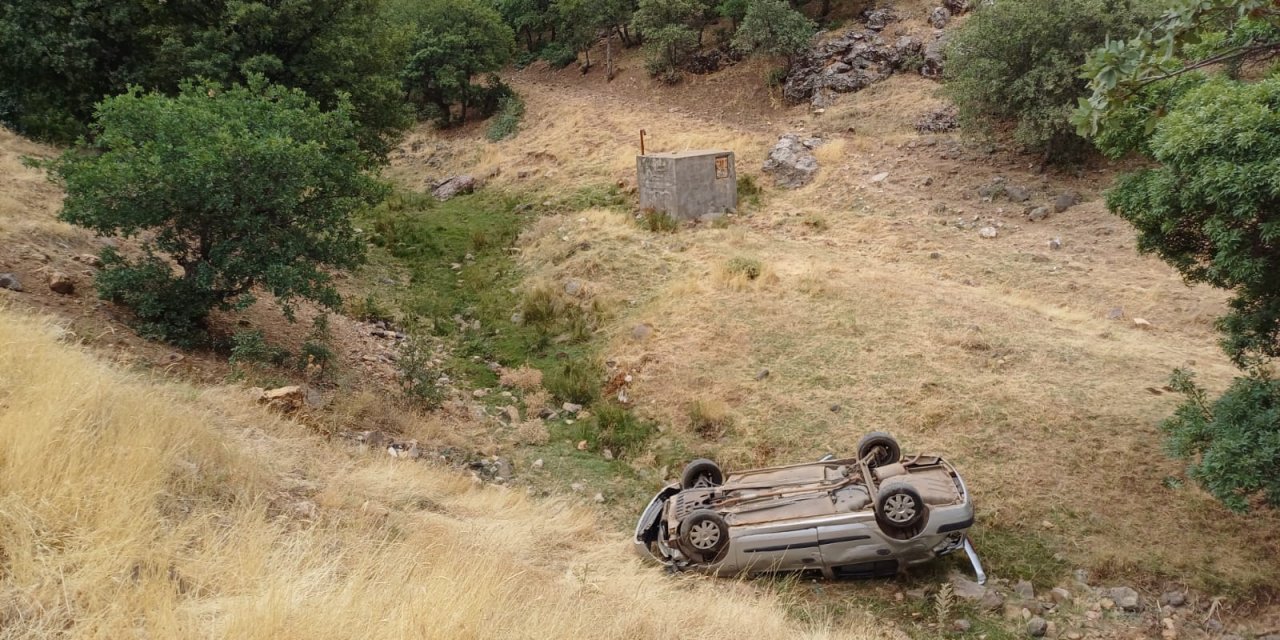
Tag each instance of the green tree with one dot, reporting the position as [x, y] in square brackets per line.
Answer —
[773, 28]
[734, 10]
[454, 41]
[1208, 203]
[61, 57]
[1019, 61]
[238, 188]
[670, 30]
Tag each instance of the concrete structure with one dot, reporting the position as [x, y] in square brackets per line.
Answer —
[688, 184]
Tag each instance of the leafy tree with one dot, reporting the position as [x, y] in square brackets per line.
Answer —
[734, 10]
[63, 56]
[1019, 61]
[528, 18]
[773, 28]
[671, 31]
[1209, 205]
[239, 188]
[454, 41]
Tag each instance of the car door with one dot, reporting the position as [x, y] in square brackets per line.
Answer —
[849, 541]
[790, 550]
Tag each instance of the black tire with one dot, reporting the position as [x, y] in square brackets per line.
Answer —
[701, 474]
[886, 449]
[899, 509]
[703, 535]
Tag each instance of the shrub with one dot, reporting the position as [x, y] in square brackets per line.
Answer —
[419, 378]
[490, 97]
[577, 380]
[750, 268]
[250, 347]
[671, 33]
[658, 221]
[369, 309]
[558, 55]
[709, 418]
[618, 430]
[454, 41]
[1020, 61]
[239, 188]
[773, 28]
[507, 122]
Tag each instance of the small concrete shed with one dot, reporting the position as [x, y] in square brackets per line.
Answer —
[688, 184]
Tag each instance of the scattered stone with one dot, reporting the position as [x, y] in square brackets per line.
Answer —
[988, 232]
[1115, 314]
[1065, 201]
[880, 177]
[1125, 598]
[935, 255]
[762, 374]
[62, 283]
[939, 120]
[479, 393]
[599, 498]
[1175, 599]
[502, 469]
[453, 187]
[935, 55]
[1055, 244]
[878, 19]
[939, 17]
[1016, 193]
[957, 7]
[1213, 625]
[991, 601]
[835, 408]
[1024, 590]
[538, 464]
[1037, 214]
[961, 625]
[791, 163]
[573, 287]
[1037, 627]
[1141, 323]
[303, 509]
[285, 398]
[582, 445]
[10, 282]
[641, 332]
[1060, 596]
[374, 439]
[967, 589]
[577, 487]
[845, 64]
[512, 414]
[571, 407]
[89, 259]
[607, 454]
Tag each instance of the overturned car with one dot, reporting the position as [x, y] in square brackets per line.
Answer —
[868, 516]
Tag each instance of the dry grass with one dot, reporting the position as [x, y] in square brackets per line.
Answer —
[132, 509]
[28, 201]
[524, 378]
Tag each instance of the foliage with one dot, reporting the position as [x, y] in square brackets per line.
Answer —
[250, 347]
[1234, 442]
[507, 123]
[751, 268]
[575, 380]
[453, 42]
[658, 221]
[620, 431]
[419, 377]
[1018, 62]
[709, 419]
[240, 188]
[671, 31]
[773, 28]
[61, 57]
[734, 10]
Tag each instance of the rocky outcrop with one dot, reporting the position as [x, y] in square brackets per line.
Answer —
[848, 63]
[453, 187]
[935, 56]
[791, 161]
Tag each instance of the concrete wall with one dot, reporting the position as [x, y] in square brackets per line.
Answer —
[689, 184]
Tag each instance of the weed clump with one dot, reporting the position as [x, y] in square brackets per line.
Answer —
[749, 268]
[419, 376]
[620, 431]
[577, 380]
[658, 221]
[709, 419]
[507, 122]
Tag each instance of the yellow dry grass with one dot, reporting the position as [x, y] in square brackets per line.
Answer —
[134, 509]
[998, 354]
[28, 201]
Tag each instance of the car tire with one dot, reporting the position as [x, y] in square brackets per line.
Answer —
[900, 510]
[884, 445]
[704, 534]
[701, 474]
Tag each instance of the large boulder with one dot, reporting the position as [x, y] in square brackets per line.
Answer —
[791, 162]
[939, 17]
[455, 186]
[848, 63]
[10, 282]
[935, 56]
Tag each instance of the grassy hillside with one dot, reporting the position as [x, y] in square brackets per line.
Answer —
[132, 508]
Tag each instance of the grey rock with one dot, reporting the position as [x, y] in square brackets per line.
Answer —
[791, 163]
[502, 469]
[880, 177]
[1037, 214]
[89, 259]
[762, 374]
[961, 625]
[1173, 599]
[935, 56]
[1016, 193]
[967, 589]
[1125, 598]
[10, 282]
[453, 187]
[641, 332]
[835, 408]
[62, 283]
[599, 498]
[1060, 596]
[935, 255]
[988, 232]
[1115, 314]
[845, 64]
[939, 121]
[991, 601]
[537, 464]
[1212, 625]
[1025, 590]
[939, 17]
[573, 287]
[571, 407]
[1037, 627]
[1065, 201]
[878, 19]
[957, 7]
[1055, 244]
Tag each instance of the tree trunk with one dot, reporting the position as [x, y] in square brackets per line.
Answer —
[826, 8]
[608, 57]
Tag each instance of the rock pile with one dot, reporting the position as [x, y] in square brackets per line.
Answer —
[939, 120]
[849, 63]
[791, 161]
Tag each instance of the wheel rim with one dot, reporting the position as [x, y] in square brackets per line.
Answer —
[881, 456]
[900, 508]
[704, 481]
[704, 535]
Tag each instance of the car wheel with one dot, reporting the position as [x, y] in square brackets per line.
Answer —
[701, 474]
[704, 534]
[884, 447]
[899, 508]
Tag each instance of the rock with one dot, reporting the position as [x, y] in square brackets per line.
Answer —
[935, 256]
[1213, 625]
[939, 17]
[1016, 193]
[991, 601]
[1065, 201]
[599, 498]
[374, 439]
[607, 454]
[1125, 598]
[453, 187]
[935, 56]
[305, 509]
[62, 283]
[1141, 323]
[880, 177]
[762, 374]
[1024, 590]
[1037, 214]
[791, 163]
[961, 625]
[957, 7]
[1037, 627]
[988, 232]
[1115, 314]
[835, 408]
[89, 259]
[582, 444]
[479, 393]
[939, 120]
[511, 413]
[502, 469]
[577, 487]
[1177, 599]
[845, 64]
[1060, 596]
[571, 407]
[573, 287]
[878, 19]
[538, 464]
[1055, 244]
[641, 332]
[285, 398]
[10, 282]
[967, 589]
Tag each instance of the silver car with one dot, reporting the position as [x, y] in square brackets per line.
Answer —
[868, 516]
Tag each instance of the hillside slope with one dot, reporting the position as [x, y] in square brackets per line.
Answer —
[137, 509]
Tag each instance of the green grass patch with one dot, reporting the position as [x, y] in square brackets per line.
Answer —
[507, 122]
[1019, 555]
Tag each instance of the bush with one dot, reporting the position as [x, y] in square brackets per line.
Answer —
[558, 55]
[369, 310]
[750, 268]
[709, 418]
[658, 221]
[773, 28]
[1233, 443]
[1019, 62]
[239, 188]
[507, 122]
[619, 431]
[490, 97]
[577, 380]
[250, 347]
[419, 379]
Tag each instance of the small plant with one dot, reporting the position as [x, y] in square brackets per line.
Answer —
[658, 221]
[369, 310]
[709, 418]
[620, 431]
[777, 77]
[507, 122]
[750, 268]
[542, 305]
[577, 380]
[558, 55]
[316, 356]
[942, 603]
[816, 222]
[418, 376]
[250, 347]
